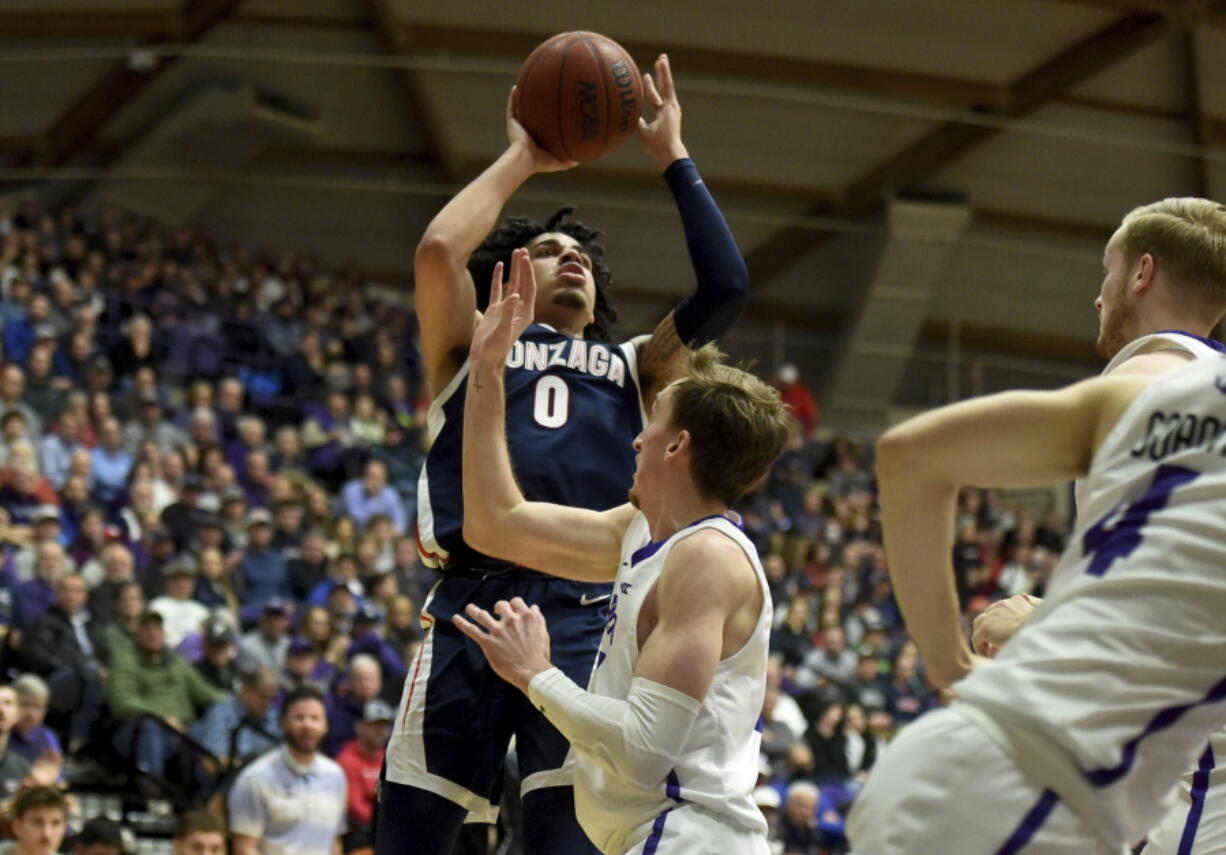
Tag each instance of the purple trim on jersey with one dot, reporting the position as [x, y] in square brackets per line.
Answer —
[657, 831]
[760, 727]
[1030, 824]
[1200, 783]
[1207, 342]
[1164, 719]
[672, 787]
[645, 552]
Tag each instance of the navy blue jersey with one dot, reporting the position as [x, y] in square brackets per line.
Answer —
[573, 410]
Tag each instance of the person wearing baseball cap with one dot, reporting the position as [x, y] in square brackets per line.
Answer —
[361, 758]
[262, 570]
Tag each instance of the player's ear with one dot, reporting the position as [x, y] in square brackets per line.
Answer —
[1143, 276]
[680, 443]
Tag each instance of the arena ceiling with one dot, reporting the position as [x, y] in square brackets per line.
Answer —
[921, 188]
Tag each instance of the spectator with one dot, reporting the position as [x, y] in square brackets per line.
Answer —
[219, 662]
[363, 683]
[14, 768]
[153, 680]
[56, 450]
[370, 495]
[214, 588]
[293, 799]
[799, 399]
[117, 569]
[798, 825]
[262, 570]
[199, 832]
[110, 463]
[150, 426]
[127, 605]
[30, 737]
[832, 661]
[40, 819]
[244, 725]
[99, 836]
[310, 567]
[267, 645]
[38, 595]
[69, 648]
[181, 615]
[829, 747]
[304, 666]
[12, 391]
[362, 760]
[26, 492]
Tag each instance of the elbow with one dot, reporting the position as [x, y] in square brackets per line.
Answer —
[481, 534]
[894, 451]
[435, 253]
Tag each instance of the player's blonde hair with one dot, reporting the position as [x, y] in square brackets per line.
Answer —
[736, 422]
[1188, 236]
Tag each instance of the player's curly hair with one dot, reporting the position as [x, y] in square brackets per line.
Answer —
[515, 232]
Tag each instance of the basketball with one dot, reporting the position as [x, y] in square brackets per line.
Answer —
[579, 95]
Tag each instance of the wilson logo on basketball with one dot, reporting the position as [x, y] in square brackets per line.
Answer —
[625, 92]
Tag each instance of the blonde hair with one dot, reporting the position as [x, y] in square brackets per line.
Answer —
[736, 422]
[1188, 236]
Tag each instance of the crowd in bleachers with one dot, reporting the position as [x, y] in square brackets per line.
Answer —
[208, 461]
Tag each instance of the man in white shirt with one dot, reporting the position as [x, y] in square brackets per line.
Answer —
[291, 801]
[181, 615]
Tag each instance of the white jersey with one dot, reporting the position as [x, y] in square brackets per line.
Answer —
[717, 768]
[1184, 823]
[1123, 666]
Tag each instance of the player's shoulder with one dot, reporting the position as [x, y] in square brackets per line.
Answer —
[710, 559]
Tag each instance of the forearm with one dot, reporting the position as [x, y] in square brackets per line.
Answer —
[917, 520]
[463, 223]
[490, 491]
[245, 844]
[638, 739]
[722, 280]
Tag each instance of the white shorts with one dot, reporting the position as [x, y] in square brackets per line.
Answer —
[943, 786]
[1196, 822]
[690, 830]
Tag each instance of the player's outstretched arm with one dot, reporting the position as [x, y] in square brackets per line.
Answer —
[722, 280]
[1010, 440]
[571, 542]
[444, 297]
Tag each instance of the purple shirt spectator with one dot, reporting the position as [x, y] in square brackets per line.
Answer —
[363, 499]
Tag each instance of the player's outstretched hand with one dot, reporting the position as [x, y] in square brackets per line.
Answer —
[661, 137]
[999, 622]
[518, 137]
[508, 314]
[516, 642]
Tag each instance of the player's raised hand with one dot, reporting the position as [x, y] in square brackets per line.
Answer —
[509, 313]
[661, 137]
[518, 137]
[516, 642]
[999, 622]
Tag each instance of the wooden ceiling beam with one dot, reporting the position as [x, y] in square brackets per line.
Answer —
[938, 89]
[139, 24]
[949, 141]
[404, 42]
[77, 126]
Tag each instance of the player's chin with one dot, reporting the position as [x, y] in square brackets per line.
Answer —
[570, 297]
[633, 495]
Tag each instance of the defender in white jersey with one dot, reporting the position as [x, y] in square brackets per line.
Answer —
[665, 741]
[1069, 740]
[1151, 321]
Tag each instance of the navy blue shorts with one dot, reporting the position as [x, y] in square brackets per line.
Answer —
[457, 716]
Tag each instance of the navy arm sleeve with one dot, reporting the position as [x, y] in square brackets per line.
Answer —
[723, 280]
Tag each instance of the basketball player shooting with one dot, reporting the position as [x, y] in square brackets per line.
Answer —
[1078, 729]
[665, 739]
[574, 405]
[1157, 306]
